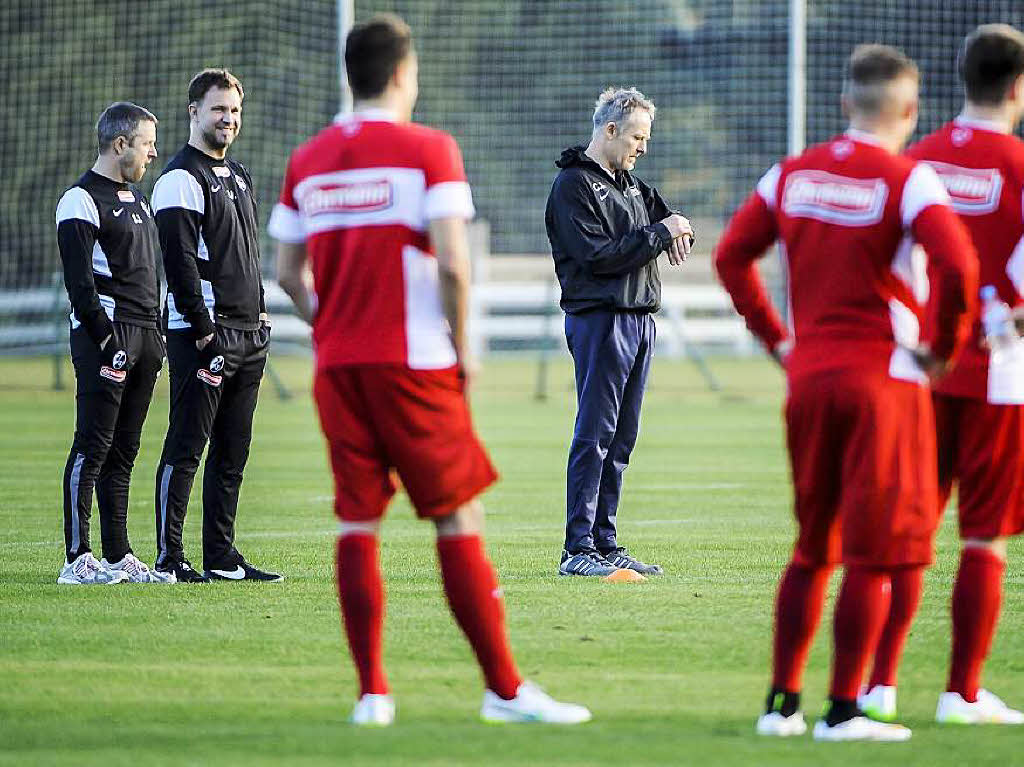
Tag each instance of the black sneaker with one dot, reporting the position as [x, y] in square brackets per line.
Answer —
[182, 571]
[585, 563]
[243, 571]
[619, 557]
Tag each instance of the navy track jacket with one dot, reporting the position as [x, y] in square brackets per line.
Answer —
[602, 239]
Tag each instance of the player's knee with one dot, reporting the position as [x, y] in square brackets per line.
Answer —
[467, 519]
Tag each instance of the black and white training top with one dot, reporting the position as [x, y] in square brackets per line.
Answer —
[206, 215]
[108, 244]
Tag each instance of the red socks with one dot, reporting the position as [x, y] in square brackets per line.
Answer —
[906, 595]
[475, 600]
[860, 614]
[361, 594]
[797, 612]
[977, 597]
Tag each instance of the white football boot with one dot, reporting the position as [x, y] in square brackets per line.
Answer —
[138, 571]
[879, 703]
[531, 704]
[373, 711]
[86, 571]
[861, 728]
[987, 709]
[779, 726]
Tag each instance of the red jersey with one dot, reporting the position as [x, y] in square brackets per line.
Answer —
[983, 171]
[361, 194]
[847, 214]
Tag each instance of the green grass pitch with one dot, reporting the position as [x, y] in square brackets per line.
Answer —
[674, 669]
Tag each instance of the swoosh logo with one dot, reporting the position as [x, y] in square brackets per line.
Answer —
[118, 212]
[235, 575]
[215, 188]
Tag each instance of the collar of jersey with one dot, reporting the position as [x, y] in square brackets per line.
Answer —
[970, 122]
[370, 114]
[863, 136]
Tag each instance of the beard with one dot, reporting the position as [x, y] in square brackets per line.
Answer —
[214, 141]
[132, 171]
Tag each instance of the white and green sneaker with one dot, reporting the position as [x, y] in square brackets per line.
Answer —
[776, 725]
[879, 703]
[861, 728]
[138, 571]
[374, 711]
[531, 704]
[987, 709]
[86, 571]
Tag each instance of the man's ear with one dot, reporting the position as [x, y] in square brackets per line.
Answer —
[611, 130]
[119, 145]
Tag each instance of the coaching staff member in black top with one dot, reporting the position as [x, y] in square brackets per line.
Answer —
[606, 229]
[217, 330]
[108, 247]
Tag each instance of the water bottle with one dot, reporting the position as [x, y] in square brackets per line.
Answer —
[995, 319]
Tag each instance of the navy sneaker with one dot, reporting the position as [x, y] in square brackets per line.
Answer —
[243, 571]
[585, 563]
[182, 571]
[621, 558]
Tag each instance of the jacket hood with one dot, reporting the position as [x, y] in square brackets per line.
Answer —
[574, 155]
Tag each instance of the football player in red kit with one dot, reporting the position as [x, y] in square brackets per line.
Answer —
[859, 420]
[377, 206]
[979, 406]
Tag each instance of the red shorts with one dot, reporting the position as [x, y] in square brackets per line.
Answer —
[379, 417]
[862, 450]
[981, 446]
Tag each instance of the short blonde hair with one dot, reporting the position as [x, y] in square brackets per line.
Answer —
[615, 103]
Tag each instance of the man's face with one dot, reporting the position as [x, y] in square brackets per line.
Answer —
[218, 117]
[137, 154]
[628, 141]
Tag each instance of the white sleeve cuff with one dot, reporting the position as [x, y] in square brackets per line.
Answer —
[449, 199]
[286, 225]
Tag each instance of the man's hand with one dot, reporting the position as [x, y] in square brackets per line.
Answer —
[202, 342]
[682, 237]
[933, 367]
[780, 352]
[468, 368]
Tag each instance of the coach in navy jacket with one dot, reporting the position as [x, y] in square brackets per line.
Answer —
[606, 229]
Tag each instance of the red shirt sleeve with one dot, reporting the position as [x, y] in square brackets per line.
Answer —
[953, 268]
[750, 232]
[448, 192]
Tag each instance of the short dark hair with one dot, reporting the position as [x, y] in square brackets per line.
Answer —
[991, 58]
[209, 79]
[373, 50]
[121, 118]
[869, 70]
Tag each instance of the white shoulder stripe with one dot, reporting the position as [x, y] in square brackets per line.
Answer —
[449, 199]
[768, 185]
[286, 225]
[78, 203]
[178, 189]
[923, 188]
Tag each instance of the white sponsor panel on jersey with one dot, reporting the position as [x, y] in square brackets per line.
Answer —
[362, 197]
[834, 199]
[973, 191]
[906, 330]
[124, 195]
[427, 334]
